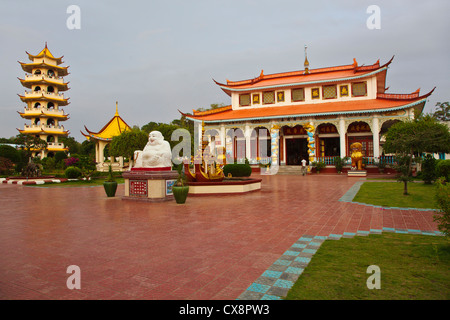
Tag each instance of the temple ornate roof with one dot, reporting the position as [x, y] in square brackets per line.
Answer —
[314, 76]
[113, 128]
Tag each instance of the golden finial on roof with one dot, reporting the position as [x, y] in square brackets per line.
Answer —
[306, 64]
[117, 108]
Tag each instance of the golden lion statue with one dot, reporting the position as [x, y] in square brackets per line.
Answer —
[356, 155]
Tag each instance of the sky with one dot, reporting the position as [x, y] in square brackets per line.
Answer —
[158, 57]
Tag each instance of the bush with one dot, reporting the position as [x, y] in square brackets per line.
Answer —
[72, 161]
[339, 163]
[59, 156]
[442, 217]
[429, 169]
[318, 165]
[6, 166]
[443, 169]
[72, 173]
[48, 163]
[237, 169]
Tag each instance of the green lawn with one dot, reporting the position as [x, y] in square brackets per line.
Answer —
[390, 194]
[80, 183]
[412, 267]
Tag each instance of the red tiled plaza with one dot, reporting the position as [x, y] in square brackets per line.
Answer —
[212, 247]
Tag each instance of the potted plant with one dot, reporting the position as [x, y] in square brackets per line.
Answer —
[110, 184]
[180, 189]
[381, 165]
[318, 165]
[339, 163]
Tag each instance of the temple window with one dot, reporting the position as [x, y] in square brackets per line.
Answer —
[37, 88]
[359, 89]
[37, 105]
[51, 73]
[37, 72]
[50, 89]
[268, 97]
[298, 94]
[50, 105]
[329, 92]
[244, 99]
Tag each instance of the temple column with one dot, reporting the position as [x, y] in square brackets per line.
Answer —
[275, 148]
[376, 137]
[342, 137]
[248, 149]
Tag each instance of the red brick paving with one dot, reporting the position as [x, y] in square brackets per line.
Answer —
[209, 248]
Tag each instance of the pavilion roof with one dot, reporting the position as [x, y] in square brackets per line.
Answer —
[113, 128]
[45, 53]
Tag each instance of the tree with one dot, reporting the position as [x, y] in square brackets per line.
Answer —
[73, 145]
[443, 112]
[87, 147]
[413, 137]
[127, 142]
[29, 143]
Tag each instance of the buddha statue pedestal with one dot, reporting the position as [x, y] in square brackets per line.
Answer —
[149, 184]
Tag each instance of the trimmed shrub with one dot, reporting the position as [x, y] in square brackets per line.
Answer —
[237, 170]
[72, 173]
[443, 169]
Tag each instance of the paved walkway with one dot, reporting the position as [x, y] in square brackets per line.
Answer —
[209, 248]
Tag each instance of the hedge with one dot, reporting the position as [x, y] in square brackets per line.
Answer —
[237, 170]
[72, 173]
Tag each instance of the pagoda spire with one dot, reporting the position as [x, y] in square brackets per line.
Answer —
[117, 108]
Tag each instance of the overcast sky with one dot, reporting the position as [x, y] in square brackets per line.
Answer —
[155, 57]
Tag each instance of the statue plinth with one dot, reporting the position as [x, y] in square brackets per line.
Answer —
[149, 184]
[357, 173]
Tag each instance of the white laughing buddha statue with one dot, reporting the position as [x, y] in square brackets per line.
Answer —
[156, 154]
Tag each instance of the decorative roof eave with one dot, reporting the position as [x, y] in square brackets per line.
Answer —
[45, 53]
[27, 67]
[228, 90]
[28, 83]
[61, 102]
[42, 114]
[335, 113]
[93, 136]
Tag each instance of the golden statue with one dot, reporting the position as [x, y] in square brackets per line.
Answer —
[206, 169]
[356, 155]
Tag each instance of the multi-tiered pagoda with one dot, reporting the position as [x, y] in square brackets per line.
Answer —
[44, 78]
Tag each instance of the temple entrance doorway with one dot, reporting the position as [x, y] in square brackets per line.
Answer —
[296, 151]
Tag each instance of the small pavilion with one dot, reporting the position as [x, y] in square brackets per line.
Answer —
[102, 138]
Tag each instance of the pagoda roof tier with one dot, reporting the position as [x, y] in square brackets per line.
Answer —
[43, 113]
[44, 96]
[113, 128]
[382, 104]
[45, 53]
[314, 76]
[33, 79]
[35, 129]
[28, 67]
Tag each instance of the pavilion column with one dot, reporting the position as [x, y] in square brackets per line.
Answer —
[223, 136]
[248, 149]
[101, 153]
[342, 137]
[376, 137]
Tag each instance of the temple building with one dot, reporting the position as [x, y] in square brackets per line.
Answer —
[311, 114]
[113, 128]
[44, 77]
